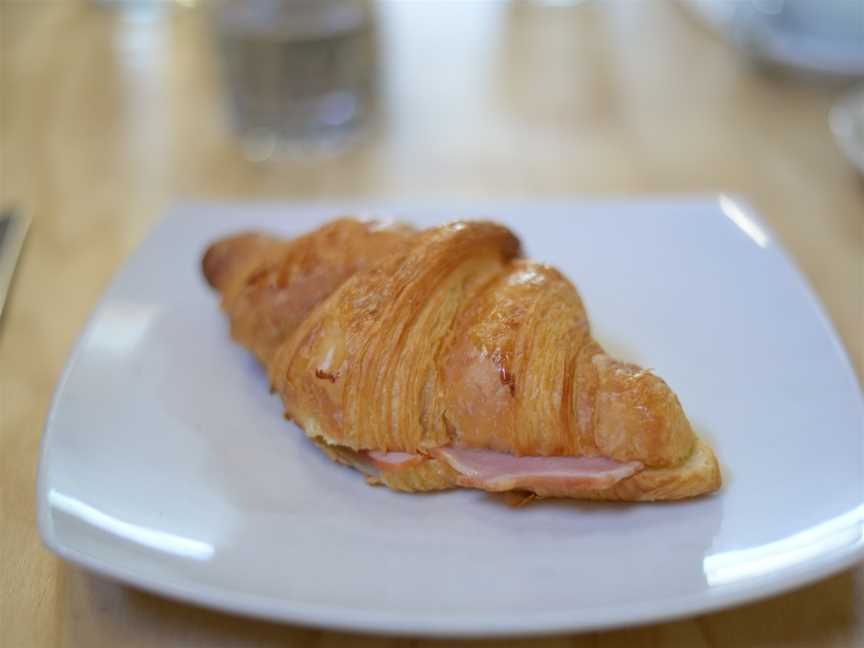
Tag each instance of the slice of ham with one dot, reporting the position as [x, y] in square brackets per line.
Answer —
[499, 471]
[393, 460]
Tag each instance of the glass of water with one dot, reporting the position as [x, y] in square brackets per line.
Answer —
[300, 74]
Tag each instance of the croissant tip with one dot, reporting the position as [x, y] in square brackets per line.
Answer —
[210, 265]
[224, 257]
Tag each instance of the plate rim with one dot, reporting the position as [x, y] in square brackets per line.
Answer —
[476, 625]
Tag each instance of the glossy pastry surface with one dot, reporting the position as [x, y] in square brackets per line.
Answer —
[438, 358]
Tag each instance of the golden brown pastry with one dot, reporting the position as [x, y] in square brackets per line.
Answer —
[269, 285]
[439, 358]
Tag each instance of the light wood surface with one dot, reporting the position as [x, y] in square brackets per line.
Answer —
[106, 121]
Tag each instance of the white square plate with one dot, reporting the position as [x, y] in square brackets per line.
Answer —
[166, 463]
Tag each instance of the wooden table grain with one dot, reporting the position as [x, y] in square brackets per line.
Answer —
[107, 117]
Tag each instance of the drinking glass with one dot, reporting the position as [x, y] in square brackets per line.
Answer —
[299, 74]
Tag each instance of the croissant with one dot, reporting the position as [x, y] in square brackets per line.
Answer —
[439, 358]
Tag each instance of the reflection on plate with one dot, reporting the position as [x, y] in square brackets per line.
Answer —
[166, 464]
[847, 124]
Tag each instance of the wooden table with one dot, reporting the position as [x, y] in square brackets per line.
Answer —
[107, 120]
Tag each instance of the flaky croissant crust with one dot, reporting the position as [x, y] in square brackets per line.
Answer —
[387, 339]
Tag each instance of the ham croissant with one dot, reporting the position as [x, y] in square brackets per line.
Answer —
[438, 358]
